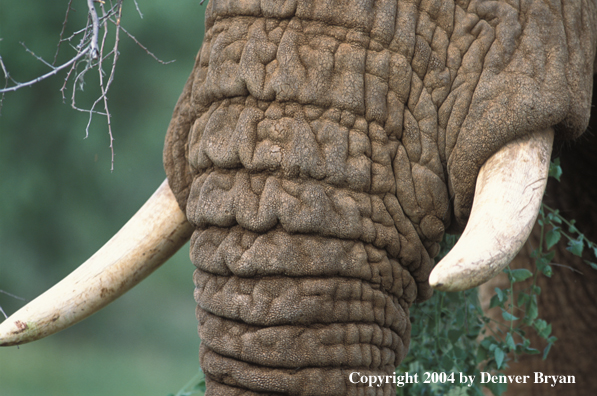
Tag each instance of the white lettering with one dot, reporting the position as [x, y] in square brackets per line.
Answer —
[538, 377]
[399, 381]
[464, 379]
[571, 379]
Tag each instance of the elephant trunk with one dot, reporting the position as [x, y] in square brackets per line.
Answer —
[297, 314]
[299, 284]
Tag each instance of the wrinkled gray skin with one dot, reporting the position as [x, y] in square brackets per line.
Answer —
[322, 148]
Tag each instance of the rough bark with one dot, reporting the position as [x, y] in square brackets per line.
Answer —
[317, 147]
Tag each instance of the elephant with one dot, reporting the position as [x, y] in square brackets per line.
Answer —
[567, 298]
[317, 155]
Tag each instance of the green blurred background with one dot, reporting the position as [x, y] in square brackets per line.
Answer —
[59, 201]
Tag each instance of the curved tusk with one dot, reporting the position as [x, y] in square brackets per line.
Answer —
[145, 242]
[508, 195]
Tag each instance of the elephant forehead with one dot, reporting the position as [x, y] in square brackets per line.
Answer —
[311, 62]
[450, 81]
[334, 146]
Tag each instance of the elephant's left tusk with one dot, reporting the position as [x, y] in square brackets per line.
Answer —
[508, 195]
[145, 242]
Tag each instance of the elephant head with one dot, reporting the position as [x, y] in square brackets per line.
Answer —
[317, 155]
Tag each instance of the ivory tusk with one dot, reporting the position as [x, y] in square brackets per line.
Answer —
[145, 242]
[508, 196]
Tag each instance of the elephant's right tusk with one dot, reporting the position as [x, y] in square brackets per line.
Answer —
[508, 195]
[145, 242]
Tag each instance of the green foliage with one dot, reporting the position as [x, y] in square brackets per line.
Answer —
[451, 334]
[442, 340]
[555, 170]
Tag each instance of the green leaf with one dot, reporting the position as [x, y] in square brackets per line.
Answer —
[499, 357]
[519, 275]
[532, 310]
[575, 246]
[523, 298]
[552, 237]
[510, 342]
[555, 170]
[544, 267]
[497, 389]
[481, 355]
[593, 265]
[458, 392]
[500, 294]
[495, 301]
[536, 290]
[459, 353]
[546, 350]
[508, 316]
[543, 329]
[460, 318]
[549, 256]
[532, 351]
[595, 251]
[556, 218]
[454, 335]
[447, 363]
[539, 325]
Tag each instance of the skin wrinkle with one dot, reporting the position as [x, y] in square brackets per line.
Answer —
[224, 257]
[323, 341]
[362, 121]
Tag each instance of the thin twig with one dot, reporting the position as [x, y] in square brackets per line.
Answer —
[39, 58]
[138, 9]
[567, 266]
[68, 8]
[147, 51]
[49, 74]
[7, 77]
[13, 296]
[105, 88]
[111, 79]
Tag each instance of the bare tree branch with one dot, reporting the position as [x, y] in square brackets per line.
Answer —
[91, 52]
[95, 27]
[43, 77]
